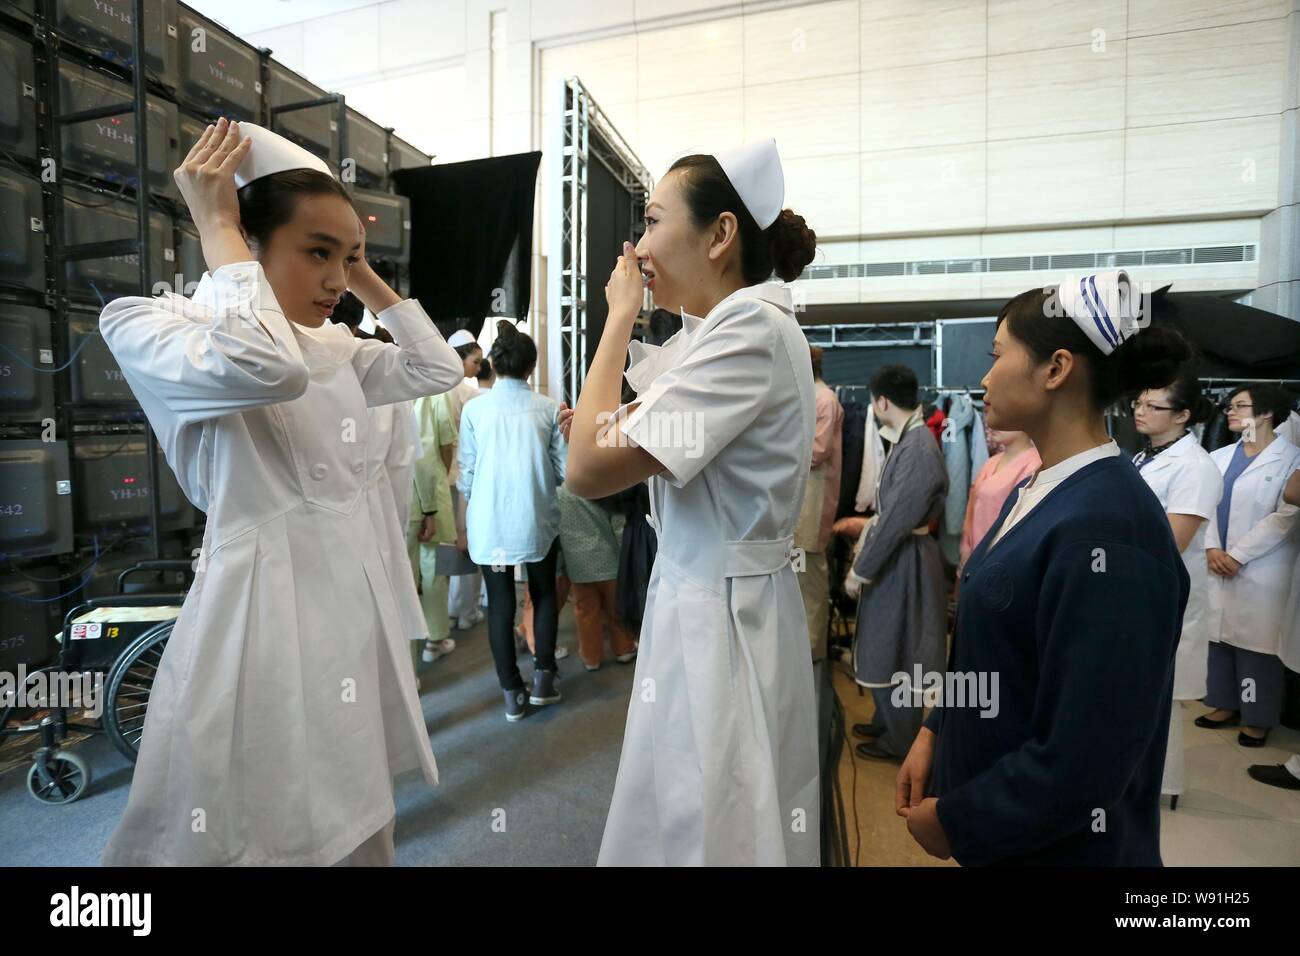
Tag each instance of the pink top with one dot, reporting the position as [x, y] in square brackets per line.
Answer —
[828, 449]
[989, 492]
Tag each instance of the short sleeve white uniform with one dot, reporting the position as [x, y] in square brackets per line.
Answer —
[720, 752]
[1187, 482]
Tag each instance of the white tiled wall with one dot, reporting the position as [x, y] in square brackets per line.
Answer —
[962, 125]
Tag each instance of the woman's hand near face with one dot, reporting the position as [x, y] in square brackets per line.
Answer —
[366, 285]
[625, 290]
[206, 180]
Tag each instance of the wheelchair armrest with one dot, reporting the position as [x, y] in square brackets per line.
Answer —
[154, 564]
[119, 600]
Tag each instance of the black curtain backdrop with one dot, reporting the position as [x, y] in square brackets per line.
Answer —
[609, 225]
[471, 234]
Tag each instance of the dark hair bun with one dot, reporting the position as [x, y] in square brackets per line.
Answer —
[514, 353]
[792, 243]
[1153, 358]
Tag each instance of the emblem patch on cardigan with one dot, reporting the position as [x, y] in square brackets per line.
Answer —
[993, 585]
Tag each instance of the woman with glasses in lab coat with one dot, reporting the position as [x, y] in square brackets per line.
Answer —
[1188, 484]
[1251, 551]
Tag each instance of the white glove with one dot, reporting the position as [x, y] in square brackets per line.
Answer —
[853, 584]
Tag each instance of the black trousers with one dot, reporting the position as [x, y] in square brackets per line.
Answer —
[501, 616]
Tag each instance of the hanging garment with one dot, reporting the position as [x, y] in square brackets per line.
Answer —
[1216, 433]
[956, 444]
[285, 701]
[828, 454]
[720, 751]
[873, 463]
[935, 423]
[1124, 431]
[636, 556]
[979, 443]
[854, 436]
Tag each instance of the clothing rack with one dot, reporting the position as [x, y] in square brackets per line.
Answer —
[1249, 381]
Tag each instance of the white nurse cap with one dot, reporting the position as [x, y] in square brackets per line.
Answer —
[755, 171]
[272, 153]
[461, 337]
[1105, 306]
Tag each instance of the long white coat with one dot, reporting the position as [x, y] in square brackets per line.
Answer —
[285, 701]
[1187, 482]
[720, 759]
[1247, 611]
[392, 444]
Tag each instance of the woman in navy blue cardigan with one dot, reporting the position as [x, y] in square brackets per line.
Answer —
[1070, 609]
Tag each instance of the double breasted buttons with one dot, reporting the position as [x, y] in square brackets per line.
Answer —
[319, 471]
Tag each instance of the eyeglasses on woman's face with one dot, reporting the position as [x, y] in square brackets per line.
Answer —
[1139, 405]
[1237, 407]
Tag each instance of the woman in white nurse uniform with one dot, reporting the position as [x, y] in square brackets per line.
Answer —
[1188, 484]
[720, 760]
[284, 703]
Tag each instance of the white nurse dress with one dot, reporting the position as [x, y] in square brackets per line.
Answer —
[284, 703]
[720, 755]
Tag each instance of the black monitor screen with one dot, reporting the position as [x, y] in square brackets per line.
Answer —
[18, 207]
[89, 217]
[17, 59]
[403, 155]
[383, 217]
[105, 571]
[216, 68]
[105, 147]
[96, 376]
[190, 264]
[107, 27]
[35, 515]
[112, 483]
[367, 144]
[30, 615]
[309, 127]
[26, 363]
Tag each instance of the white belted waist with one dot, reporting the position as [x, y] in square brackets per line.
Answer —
[741, 559]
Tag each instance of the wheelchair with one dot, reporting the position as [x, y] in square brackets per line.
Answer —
[118, 641]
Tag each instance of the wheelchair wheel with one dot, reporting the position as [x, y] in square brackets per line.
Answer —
[130, 681]
[69, 776]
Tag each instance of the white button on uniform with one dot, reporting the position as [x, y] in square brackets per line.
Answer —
[318, 471]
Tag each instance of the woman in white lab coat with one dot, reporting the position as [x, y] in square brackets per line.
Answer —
[719, 762]
[1188, 484]
[462, 589]
[391, 448]
[1251, 551]
[284, 702]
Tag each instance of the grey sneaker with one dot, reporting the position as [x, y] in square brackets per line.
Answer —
[516, 704]
[545, 690]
